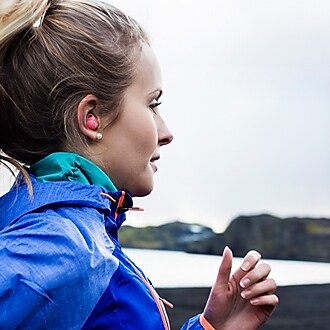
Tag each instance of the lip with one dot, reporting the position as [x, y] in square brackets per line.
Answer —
[153, 166]
[152, 163]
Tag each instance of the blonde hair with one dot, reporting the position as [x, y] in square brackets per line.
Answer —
[79, 47]
[16, 15]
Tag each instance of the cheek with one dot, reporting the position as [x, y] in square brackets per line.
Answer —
[144, 135]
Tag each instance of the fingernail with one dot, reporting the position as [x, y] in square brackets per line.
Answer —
[225, 249]
[245, 282]
[254, 301]
[245, 294]
[245, 266]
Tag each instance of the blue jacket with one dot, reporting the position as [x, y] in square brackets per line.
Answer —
[61, 265]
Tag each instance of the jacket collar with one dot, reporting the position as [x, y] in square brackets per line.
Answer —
[17, 202]
[68, 166]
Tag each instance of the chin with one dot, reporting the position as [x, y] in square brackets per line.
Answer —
[142, 190]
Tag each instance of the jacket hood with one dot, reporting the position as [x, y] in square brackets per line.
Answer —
[17, 202]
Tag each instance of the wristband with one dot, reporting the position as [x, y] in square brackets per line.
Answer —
[205, 324]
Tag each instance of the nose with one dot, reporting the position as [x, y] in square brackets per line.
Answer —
[164, 134]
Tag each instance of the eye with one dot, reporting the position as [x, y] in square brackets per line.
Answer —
[153, 106]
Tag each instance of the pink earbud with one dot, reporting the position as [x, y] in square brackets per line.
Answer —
[91, 122]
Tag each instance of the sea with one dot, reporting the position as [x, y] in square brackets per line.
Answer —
[170, 269]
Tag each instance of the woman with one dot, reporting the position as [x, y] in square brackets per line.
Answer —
[80, 91]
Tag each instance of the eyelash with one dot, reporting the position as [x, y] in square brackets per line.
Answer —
[154, 106]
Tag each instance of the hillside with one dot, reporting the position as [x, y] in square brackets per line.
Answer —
[171, 236]
[305, 239]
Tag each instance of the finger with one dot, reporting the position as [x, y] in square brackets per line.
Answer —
[265, 287]
[249, 262]
[265, 300]
[225, 267]
[257, 274]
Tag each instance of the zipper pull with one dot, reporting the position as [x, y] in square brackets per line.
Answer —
[166, 302]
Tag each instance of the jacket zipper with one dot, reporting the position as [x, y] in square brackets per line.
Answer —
[159, 301]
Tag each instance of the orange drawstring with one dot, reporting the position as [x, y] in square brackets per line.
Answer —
[135, 209]
[108, 196]
[120, 203]
[156, 297]
[166, 302]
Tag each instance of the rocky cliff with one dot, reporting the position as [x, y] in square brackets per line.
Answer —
[305, 239]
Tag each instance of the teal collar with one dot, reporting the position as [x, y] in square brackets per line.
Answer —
[67, 166]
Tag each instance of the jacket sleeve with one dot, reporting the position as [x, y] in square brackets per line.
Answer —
[193, 324]
[45, 262]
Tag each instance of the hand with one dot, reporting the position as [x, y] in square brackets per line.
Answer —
[244, 300]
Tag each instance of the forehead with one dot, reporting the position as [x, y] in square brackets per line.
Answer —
[148, 73]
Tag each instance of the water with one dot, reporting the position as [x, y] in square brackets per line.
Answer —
[168, 269]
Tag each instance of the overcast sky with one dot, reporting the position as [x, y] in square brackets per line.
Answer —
[247, 97]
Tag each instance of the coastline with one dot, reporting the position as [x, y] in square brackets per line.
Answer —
[302, 307]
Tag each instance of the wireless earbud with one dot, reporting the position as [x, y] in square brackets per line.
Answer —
[92, 122]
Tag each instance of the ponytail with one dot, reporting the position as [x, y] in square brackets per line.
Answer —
[5, 160]
[17, 15]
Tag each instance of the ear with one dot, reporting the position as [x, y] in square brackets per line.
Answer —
[88, 121]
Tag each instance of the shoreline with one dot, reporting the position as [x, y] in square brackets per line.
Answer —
[302, 307]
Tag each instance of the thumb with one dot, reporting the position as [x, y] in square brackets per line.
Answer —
[225, 267]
